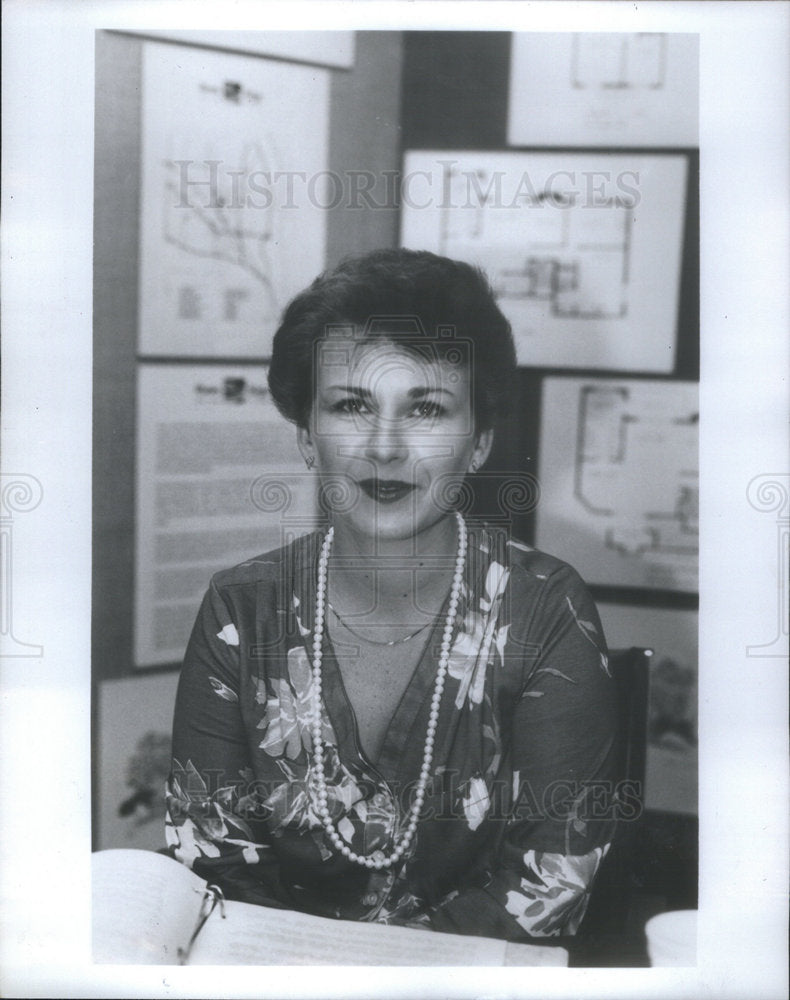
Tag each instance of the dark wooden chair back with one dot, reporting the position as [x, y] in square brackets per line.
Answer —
[611, 893]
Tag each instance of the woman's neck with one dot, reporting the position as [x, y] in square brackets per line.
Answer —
[397, 579]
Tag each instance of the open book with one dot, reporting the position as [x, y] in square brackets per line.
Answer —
[151, 910]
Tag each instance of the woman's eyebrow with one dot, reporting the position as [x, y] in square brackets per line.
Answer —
[415, 393]
[351, 389]
[420, 391]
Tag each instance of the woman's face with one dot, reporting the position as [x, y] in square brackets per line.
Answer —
[390, 431]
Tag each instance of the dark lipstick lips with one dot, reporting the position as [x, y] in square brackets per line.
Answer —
[386, 490]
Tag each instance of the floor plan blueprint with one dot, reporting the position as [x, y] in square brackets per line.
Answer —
[619, 480]
[583, 250]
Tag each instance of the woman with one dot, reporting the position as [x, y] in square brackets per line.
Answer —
[403, 717]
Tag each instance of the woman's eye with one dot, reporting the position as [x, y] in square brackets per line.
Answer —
[352, 405]
[428, 409]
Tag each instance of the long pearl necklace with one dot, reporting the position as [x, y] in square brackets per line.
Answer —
[378, 859]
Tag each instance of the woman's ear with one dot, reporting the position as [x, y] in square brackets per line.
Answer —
[482, 449]
[305, 444]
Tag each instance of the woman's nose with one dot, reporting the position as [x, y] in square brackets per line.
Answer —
[385, 441]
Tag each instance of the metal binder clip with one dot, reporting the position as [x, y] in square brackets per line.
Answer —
[212, 895]
[219, 898]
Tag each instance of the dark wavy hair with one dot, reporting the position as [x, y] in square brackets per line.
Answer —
[425, 303]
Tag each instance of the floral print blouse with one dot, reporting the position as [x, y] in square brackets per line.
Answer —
[518, 811]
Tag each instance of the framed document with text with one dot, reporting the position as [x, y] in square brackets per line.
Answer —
[219, 480]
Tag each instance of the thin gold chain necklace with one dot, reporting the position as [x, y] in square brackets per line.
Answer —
[378, 642]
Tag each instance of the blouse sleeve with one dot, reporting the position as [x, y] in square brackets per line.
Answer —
[561, 810]
[213, 822]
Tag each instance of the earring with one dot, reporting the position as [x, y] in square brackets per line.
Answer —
[310, 462]
[474, 465]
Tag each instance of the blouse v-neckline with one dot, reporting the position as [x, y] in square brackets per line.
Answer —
[400, 753]
[396, 753]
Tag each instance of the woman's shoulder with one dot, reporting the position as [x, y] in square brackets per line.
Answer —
[270, 567]
[499, 545]
[542, 589]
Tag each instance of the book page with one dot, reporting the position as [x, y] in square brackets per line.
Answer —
[145, 906]
[255, 935]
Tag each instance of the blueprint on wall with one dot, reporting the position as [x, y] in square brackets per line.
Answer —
[613, 89]
[619, 480]
[583, 250]
[234, 154]
[672, 731]
[574, 261]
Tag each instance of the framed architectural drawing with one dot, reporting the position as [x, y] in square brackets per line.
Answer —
[618, 470]
[672, 729]
[233, 199]
[612, 89]
[583, 250]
